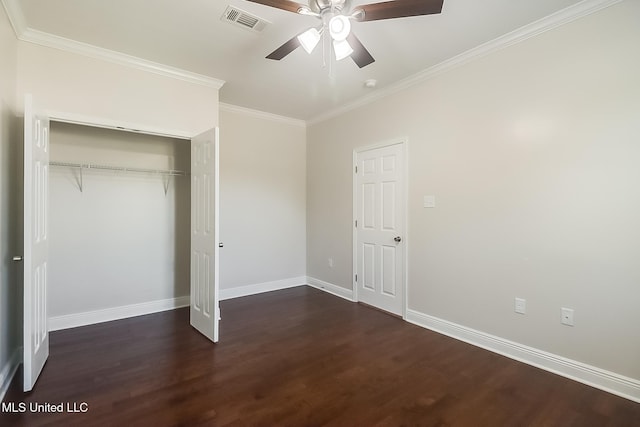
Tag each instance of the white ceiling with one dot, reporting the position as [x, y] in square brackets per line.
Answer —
[189, 35]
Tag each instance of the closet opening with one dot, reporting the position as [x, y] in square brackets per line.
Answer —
[119, 224]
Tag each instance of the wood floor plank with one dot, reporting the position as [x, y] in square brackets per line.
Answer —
[298, 357]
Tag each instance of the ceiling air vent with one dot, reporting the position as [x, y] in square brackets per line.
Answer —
[243, 19]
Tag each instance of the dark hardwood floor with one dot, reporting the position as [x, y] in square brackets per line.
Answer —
[299, 357]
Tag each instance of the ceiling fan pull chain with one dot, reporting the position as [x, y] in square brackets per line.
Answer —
[324, 49]
[332, 62]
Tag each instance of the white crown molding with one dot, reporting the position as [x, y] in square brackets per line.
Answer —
[26, 34]
[116, 313]
[611, 382]
[261, 114]
[15, 15]
[557, 19]
[68, 45]
[276, 285]
[9, 370]
[336, 290]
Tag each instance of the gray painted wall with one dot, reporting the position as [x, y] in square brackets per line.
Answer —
[532, 153]
[262, 200]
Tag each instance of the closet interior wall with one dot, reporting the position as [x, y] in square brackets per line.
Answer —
[117, 238]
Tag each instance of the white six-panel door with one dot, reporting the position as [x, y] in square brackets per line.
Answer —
[379, 229]
[36, 234]
[204, 234]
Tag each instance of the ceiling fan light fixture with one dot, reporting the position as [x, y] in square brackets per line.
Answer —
[339, 27]
[309, 39]
[342, 49]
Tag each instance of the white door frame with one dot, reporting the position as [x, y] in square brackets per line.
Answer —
[102, 122]
[404, 142]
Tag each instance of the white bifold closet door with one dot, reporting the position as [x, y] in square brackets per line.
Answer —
[204, 311]
[36, 242]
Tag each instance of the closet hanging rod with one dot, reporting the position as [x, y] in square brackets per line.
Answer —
[169, 172]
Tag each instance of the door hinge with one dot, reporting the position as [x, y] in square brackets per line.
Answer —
[356, 223]
[356, 278]
[356, 169]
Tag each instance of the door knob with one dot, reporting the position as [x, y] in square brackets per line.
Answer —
[17, 258]
[397, 239]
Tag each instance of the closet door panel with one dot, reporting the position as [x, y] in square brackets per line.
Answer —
[36, 243]
[204, 312]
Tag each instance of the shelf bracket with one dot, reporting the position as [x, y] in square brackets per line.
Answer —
[166, 184]
[78, 178]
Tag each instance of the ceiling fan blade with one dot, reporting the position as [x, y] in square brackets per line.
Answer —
[285, 49]
[397, 9]
[290, 6]
[360, 55]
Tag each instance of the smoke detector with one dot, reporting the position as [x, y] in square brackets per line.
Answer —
[371, 83]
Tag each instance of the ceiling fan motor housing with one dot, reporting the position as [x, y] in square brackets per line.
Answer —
[318, 6]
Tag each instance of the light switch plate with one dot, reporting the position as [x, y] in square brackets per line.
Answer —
[566, 316]
[429, 201]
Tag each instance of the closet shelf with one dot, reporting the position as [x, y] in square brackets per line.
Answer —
[167, 172]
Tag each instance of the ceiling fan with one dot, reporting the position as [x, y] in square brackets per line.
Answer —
[336, 17]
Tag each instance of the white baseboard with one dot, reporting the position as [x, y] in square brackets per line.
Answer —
[331, 288]
[123, 312]
[9, 370]
[115, 313]
[243, 291]
[611, 382]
